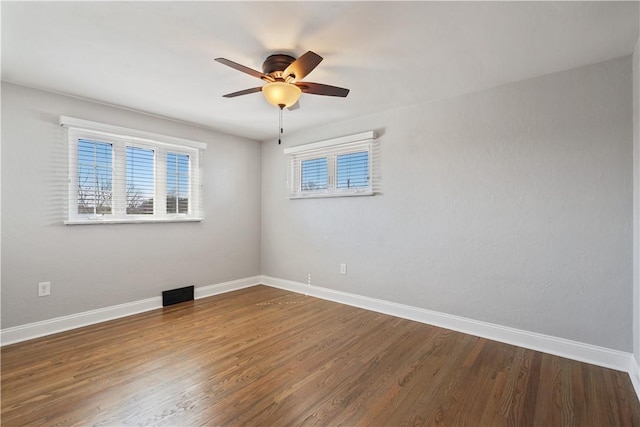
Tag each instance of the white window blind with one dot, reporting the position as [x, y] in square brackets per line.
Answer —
[119, 178]
[140, 192]
[95, 172]
[338, 167]
[313, 174]
[177, 183]
[353, 170]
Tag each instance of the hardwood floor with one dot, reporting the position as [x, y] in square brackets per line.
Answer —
[263, 356]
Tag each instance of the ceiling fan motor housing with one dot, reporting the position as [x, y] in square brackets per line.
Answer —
[277, 63]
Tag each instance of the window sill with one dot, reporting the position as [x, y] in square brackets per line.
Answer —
[329, 195]
[129, 221]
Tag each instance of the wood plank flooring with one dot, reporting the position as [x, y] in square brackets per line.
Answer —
[266, 357]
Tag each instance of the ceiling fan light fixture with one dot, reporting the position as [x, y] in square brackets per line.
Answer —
[281, 93]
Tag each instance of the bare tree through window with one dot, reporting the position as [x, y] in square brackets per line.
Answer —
[95, 172]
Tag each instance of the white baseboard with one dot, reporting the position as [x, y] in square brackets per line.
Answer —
[72, 321]
[588, 353]
[65, 323]
[221, 288]
[634, 373]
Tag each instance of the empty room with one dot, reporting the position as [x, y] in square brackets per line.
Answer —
[330, 213]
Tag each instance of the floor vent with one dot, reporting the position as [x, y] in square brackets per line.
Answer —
[174, 296]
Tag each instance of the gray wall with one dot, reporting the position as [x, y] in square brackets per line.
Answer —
[94, 266]
[512, 205]
[636, 198]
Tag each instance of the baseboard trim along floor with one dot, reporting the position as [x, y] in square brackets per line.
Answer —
[596, 355]
[575, 350]
[78, 320]
[634, 373]
[582, 352]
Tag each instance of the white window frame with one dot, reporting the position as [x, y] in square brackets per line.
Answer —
[121, 138]
[329, 149]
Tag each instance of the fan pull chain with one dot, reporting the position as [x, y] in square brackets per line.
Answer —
[280, 124]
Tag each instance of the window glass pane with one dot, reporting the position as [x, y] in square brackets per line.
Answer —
[140, 181]
[121, 176]
[353, 170]
[177, 183]
[314, 174]
[94, 177]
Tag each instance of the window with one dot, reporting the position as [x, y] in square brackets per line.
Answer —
[314, 174]
[95, 172]
[177, 183]
[337, 167]
[140, 181]
[118, 177]
[353, 170]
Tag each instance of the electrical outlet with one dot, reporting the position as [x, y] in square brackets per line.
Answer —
[343, 268]
[44, 289]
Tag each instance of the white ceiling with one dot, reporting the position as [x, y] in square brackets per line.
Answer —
[157, 57]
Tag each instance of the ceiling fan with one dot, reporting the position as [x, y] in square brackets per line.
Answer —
[283, 74]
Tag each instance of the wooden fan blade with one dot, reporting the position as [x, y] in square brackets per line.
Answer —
[294, 106]
[320, 89]
[302, 66]
[243, 92]
[244, 69]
